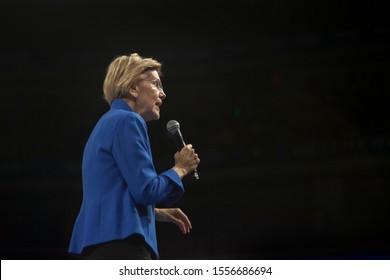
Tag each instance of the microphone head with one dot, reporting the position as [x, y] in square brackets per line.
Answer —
[173, 126]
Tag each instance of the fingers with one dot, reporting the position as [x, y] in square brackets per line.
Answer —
[181, 226]
[181, 220]
[183, 217]
[188, 148]
[186, 161]
[191, 151]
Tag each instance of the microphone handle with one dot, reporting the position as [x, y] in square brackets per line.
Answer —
[179, 142]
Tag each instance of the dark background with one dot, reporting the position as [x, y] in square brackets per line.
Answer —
[286, 103]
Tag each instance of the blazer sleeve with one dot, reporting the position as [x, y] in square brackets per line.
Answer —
[132, 153]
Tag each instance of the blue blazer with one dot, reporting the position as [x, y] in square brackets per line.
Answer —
[120, 184]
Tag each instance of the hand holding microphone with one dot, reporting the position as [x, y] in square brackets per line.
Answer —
[186, 160]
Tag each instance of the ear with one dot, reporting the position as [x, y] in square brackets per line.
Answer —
[133, 91]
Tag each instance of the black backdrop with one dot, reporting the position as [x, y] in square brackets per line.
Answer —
[286, 103]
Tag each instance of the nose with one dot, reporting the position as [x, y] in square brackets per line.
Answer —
[162, 94]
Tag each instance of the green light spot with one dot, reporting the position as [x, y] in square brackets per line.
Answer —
[237, 112]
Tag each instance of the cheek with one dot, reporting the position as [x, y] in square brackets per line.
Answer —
[151, 102]
[153, 98]
[144, 99]
[147, 99]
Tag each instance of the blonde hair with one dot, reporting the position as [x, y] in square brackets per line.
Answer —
[125, 71]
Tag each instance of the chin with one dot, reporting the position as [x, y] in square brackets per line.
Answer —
[153, 118]
[156, 115]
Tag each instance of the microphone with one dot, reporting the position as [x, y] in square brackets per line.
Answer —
[173, 128]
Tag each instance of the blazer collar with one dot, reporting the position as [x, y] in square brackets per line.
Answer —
[120, 104]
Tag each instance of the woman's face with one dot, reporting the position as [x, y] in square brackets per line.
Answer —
[150, 95]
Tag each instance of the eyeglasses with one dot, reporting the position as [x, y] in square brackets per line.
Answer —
[156, 83]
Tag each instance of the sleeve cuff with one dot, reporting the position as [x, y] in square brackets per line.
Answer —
[172, 174]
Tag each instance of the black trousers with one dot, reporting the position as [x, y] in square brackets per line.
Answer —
[131, 248]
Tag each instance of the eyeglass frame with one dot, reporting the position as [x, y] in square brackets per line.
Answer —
[156, 83]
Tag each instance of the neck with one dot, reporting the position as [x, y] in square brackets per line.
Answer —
[131, 104]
